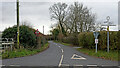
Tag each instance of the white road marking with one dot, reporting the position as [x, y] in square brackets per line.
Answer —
[62, 50]
[59, 46]
[80, 57]
[60, 61]
[78, 65]
[91, 65]
[2, 65]
[14, 65]
[105, 65]
[64, 64]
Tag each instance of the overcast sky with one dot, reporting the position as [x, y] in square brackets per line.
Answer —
[36, 12]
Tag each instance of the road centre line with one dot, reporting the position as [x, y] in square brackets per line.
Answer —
[61, 61]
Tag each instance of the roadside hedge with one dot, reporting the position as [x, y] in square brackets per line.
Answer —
[27, 36]
[87, 40]
[71, 39]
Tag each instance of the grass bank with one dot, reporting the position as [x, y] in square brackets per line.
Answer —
[63, 43]
[23, 52]
[112, 55]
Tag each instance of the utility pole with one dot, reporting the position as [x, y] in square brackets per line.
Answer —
[108, 25]
[18, 24]
[43, 29]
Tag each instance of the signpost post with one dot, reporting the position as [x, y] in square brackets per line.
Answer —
[108, 24]
[96, 40]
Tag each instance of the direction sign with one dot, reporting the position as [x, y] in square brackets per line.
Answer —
[96, 40]
[96, 34]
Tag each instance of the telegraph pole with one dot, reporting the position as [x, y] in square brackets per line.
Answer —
[43, 29]
[18, 24]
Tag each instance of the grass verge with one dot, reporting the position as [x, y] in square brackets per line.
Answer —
[63, 43]
[112, 55]
[23, 52]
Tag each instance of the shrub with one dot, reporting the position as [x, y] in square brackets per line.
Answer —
[89, 40]
[81, 39]
[71, 39]
[102, 40]
[27, 36]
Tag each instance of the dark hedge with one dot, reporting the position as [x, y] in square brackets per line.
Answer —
[27, 36]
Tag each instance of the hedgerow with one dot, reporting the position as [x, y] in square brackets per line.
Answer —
[87, 40]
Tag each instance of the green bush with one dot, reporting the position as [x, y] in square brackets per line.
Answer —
[113, 40]
[102, 40]
[71, 39]
[27, 36]
[89, 39]
[118, 41]
[81, 39]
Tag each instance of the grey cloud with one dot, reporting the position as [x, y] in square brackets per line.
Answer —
[38, 12]
[8, 12]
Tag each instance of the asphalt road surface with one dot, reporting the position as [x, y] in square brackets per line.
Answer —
[58, 55]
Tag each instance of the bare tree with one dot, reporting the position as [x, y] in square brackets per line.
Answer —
[74, 19]
[58, 13]
[79, 18]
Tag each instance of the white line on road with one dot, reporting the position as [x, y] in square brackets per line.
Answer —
[60, 61]
[104, 65]
[13, 65]
[62, 50]
[64, 64]
[2, 65]
[59, 46]
[91, 65]
[78, 65]
[78, 57]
